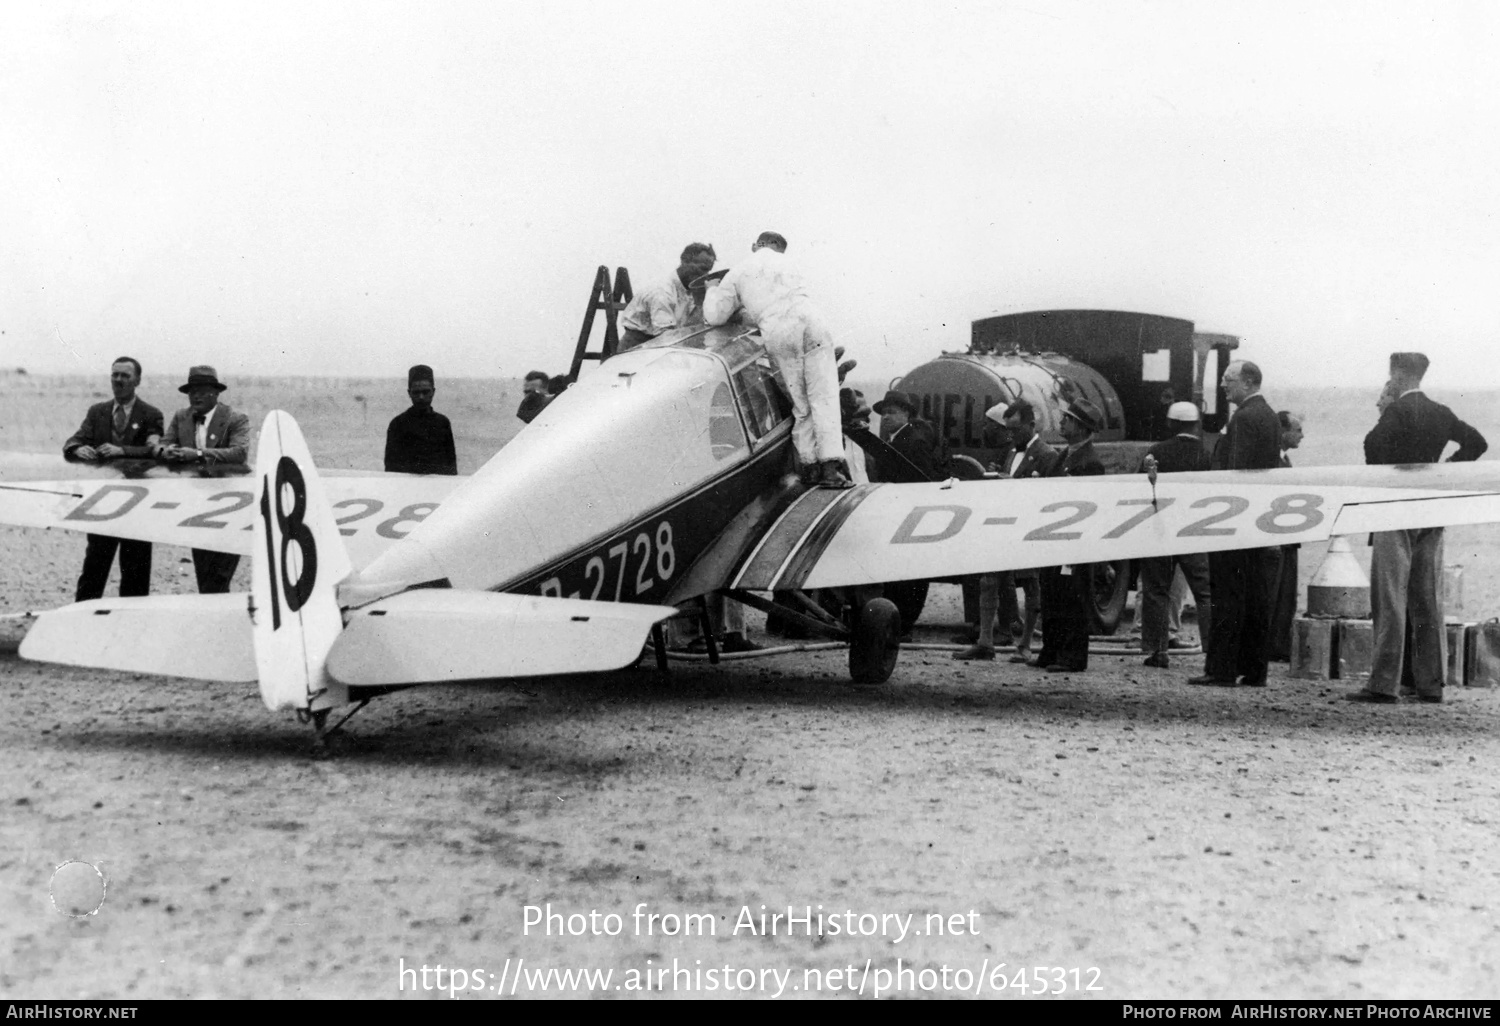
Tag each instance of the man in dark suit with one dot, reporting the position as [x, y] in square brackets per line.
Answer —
[419, 440]
[535, 395]
[910, 438]
[1242, 578]
[1068, 590]
[1406, 567]
[1182, 452]
[210, 433]
[1029, 457]
[125, 427]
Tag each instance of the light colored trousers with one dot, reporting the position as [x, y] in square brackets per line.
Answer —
[802, 350]
[1406, 584]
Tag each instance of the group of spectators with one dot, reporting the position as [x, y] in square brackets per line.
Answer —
[1246, 598]
[208, 433]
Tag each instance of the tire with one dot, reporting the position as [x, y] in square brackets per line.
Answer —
[875, 642]
[1111, 585]
[910, 597]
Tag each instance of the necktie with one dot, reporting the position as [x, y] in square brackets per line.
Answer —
[120, 423]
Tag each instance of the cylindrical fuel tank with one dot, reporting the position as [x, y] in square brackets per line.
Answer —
[956, 389]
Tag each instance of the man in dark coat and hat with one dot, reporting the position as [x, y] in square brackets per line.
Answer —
[912, 440]
[1067, 590]
[420, 440]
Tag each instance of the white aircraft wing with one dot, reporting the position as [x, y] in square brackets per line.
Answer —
[896, 532]
[146, 502]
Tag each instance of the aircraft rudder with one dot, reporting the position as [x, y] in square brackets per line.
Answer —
[297, 561]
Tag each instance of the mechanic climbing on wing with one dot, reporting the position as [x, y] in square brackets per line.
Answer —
[768, 288]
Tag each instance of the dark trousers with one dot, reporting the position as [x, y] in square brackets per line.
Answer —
[214, 570]
[1065, 616]
[135, 567]
[1154, 598]
[1283, 606]
[1241, 632]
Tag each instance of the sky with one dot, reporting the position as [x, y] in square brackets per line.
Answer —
[348, 188]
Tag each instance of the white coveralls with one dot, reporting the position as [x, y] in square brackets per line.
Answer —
[768, 287]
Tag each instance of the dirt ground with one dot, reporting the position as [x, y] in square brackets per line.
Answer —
[1183, 842]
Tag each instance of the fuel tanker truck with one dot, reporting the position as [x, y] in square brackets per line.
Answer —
[1131, 366]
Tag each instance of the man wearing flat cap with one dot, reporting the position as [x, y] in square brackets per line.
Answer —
[208, 432]
[1068, 590]
[1406, 566]
[420, 440]
[910, 439]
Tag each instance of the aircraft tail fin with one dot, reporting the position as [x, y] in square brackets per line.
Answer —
[297, 561]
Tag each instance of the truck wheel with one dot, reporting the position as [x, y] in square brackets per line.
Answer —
[909, 597]
[875, 642]
[1107, 596]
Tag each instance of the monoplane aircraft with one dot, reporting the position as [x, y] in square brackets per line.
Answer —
[660, 478]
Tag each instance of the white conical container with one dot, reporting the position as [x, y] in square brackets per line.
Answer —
[1339, 587]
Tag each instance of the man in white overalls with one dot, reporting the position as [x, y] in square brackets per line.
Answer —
[768, 288]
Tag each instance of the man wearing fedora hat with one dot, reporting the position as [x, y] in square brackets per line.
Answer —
[909, 456]
[210, 433]
[1067, 590]
[124, 427]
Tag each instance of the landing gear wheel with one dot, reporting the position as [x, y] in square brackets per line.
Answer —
[875, 642]
[1107, 592]
[910, 597]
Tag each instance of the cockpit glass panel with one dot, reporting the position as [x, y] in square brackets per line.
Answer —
[725, 435]
[761, 394]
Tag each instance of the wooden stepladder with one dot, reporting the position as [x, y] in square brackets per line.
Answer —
[611, 301]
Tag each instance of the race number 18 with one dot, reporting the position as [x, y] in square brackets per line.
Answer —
[288, 524]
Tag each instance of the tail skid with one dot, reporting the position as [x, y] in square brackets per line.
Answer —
[297, 562]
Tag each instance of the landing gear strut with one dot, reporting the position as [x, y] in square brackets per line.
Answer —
[322, 733]
[872, 628]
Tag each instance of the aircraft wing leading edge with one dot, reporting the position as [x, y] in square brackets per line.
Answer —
[896, 532]
[372, 512]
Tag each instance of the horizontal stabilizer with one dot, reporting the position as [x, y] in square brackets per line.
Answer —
[202, 636]
[440, 634]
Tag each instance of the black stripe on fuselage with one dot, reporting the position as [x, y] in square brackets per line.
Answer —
[697, 517]
[816, 540]
[781, 541]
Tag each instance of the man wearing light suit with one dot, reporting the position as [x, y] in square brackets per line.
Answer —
[210, 433]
